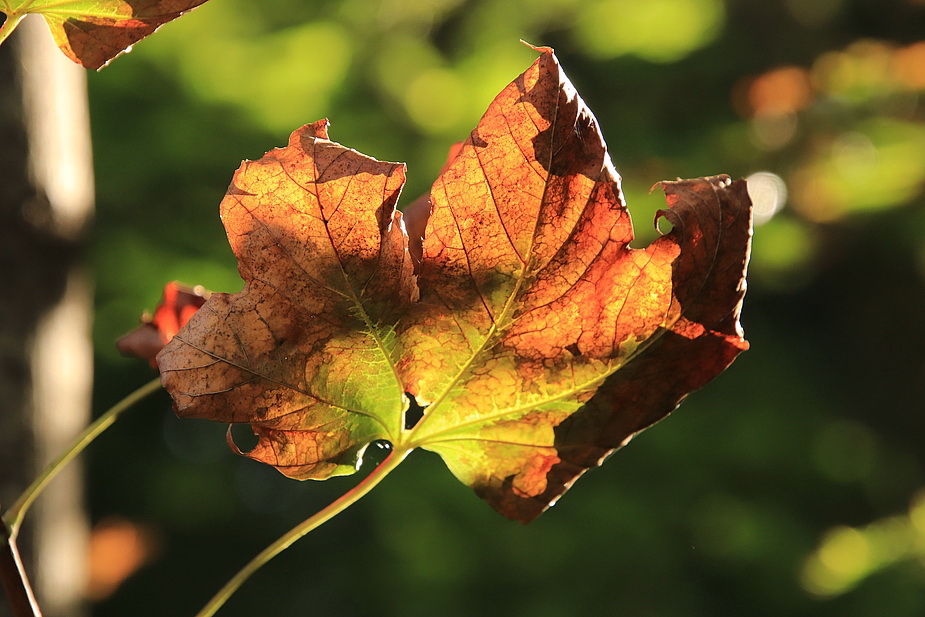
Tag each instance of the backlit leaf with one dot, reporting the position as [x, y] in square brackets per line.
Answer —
[537, 340]
[93, 32]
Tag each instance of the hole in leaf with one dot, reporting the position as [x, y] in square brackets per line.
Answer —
[414, 413]
[648, 222]
[373, 456]
[244, 437]
[662, 224]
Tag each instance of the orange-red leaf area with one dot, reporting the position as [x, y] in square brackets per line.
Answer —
[513, 308]
[93, 41]
[177, 305]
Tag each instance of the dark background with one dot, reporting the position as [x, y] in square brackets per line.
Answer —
[789, 486]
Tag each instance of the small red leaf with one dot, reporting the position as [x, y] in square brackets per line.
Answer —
[178, 304]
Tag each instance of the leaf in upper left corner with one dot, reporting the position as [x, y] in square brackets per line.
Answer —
[93, 32]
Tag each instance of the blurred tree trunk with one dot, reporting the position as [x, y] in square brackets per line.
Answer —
[46, 196]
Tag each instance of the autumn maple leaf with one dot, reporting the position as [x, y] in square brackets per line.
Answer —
[93, 32]
[535, 338]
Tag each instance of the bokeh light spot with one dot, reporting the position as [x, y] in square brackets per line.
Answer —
[273, 76]
[909, 65]
[781, 91]
[118, 547]
[880, 165]
[848, 555]
[435, 100]
[845, 551]
[859, 72]
[768, 193]
[610, 28]
[838, 564]
[399, 59]
[287, 94]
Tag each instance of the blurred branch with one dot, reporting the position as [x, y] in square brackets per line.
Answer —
[12, 519]
[46, 198]
[14, 579]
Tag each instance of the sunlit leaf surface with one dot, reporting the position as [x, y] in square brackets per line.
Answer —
[535, 338]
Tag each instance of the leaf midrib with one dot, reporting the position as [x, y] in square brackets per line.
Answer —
[371, 327]
[506, 311]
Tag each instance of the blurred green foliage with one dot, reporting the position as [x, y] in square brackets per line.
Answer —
[787, 487]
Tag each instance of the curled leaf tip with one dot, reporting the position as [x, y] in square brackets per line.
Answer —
[538, 48]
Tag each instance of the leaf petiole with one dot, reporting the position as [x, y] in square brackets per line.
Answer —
[366, 484]
[12, 20]
[13, 517]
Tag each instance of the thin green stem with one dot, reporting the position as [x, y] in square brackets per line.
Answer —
[13, 517]
[348, 499]
[12, 20]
